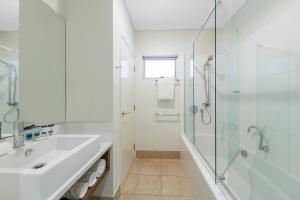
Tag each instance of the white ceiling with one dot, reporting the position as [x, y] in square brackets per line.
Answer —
[168, 14]
[178, 14]
[9, 15]
[147, 14]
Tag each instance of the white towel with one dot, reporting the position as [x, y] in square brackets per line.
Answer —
[99, 167]
[90, 178]
[78, 191]
[5, 148]
[165, 89]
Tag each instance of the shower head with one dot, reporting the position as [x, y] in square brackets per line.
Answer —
[210, 58]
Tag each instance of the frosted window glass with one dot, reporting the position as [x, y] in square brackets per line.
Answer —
[160, 68]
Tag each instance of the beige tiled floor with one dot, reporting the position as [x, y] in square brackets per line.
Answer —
[156, 179]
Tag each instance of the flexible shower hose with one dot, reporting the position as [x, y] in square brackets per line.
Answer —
[202, 116]
[5, 118]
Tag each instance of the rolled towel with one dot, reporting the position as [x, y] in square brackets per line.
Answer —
[99, 167]
[90, 178]
[78, 191]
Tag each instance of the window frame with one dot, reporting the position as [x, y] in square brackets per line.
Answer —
[168, 57]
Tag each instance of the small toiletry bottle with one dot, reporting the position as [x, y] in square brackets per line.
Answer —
[51, 129]
[29, 132]
[37, 132]
[44, 130]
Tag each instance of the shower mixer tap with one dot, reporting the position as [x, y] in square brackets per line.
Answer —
[261, 146]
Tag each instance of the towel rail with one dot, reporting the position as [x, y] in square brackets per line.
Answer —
[177, 80]
[167, 115]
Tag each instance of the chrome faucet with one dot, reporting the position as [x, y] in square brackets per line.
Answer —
[19, 139]
[252, 127]
[261, 146]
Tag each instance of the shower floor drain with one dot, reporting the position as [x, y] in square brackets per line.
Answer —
[39, 165]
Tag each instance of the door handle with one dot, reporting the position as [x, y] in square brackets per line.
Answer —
[125, 113]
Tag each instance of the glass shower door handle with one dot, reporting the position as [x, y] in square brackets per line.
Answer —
[194, 109]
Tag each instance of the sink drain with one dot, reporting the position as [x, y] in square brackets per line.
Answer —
[38, 166]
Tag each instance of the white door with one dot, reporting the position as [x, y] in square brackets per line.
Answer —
[127, 110]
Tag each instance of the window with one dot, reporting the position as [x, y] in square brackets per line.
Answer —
[157, 67]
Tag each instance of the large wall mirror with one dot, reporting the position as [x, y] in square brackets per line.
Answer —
[32, 64]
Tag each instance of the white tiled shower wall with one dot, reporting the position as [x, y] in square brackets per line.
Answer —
[269, 83]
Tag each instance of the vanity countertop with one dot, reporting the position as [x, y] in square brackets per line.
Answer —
[47, 169]
[104, 147]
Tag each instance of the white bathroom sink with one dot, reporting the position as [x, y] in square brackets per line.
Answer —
[59, 158]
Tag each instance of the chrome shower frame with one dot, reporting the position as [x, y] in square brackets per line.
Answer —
[206, 77]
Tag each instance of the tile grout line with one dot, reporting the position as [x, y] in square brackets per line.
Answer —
[139, 173]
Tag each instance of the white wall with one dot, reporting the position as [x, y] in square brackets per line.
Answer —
[89, 61]
[152, 135]
[89, 83]
[94, 31]
[58, 5]
[42, 63]
[9, 39]
[123, 30]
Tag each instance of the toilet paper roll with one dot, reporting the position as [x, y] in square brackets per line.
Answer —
[90, 178]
